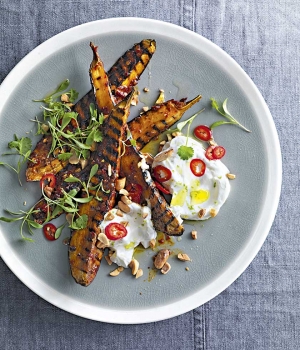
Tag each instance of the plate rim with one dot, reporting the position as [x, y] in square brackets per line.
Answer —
[263, 225]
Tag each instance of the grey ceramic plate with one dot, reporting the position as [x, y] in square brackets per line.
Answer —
[184, 65]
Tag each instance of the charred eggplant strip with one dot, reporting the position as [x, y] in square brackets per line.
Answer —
[100, 83]
[84, 255]
[120, 75]
[158, 119]
[124, 74]
[162, 217]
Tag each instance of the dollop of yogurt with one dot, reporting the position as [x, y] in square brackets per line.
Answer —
[139, 228]
[195, 198]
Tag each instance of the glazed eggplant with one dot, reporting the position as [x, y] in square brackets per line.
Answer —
[84, 255]
[122, 76]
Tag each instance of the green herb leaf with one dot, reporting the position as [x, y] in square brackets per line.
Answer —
[73, 95]
[64, 156]
[80, 222]
[59, 231]
[83, 200]
[218, 123]
[185, 152]
[22, 145]
[71, 179]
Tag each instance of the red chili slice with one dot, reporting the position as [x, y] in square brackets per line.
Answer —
[135, 192]
[197, 167]
[115, 231]
[49, 231]
[161, 188]
[203, 133]
[161, 173]
[48, 180]
[209, 153]
[218, 152]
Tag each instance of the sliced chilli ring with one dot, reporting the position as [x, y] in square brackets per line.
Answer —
[115, 231]
[197, 167]
[161, 173]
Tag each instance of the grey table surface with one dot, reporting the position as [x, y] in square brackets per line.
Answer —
[261, 309]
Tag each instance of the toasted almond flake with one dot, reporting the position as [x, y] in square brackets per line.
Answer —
[152, 243]
[83, 163]
[139, 273]
[115, 272]
[65, 98]
[119, 213]
[124, 223]
[124, 207]
[107, 258]
[201, 213]
[120, 183]
[109, 216]
[126, 200]
[213, 212]
[166, 268]
[194, 234]
[145, 108]
[134, 265]
[103, 239]
[230, 176]
[183, 257]
[146, 89]
[109, 169]
[163, 155]
[123, 191]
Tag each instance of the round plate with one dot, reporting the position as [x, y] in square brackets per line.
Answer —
[184, 65]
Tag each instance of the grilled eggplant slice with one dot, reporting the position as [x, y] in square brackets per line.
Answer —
[122, 77]
[84, 255]
[162, 217]
[158, 119]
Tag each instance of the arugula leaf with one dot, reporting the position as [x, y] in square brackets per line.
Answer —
[185, 152]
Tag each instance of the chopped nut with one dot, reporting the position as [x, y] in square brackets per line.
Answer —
[123, 191]
[103, 239]
[146, 89]
[161, 258]
[110, 253]
[176, 133]
[213, 212]
[109, 216]
[161, 90]
[187, 268]
[148, 158]
[124, 223]
[145, 108]
[83, 163]
[183, 257]
[119, 213]
[194, 234]
[126, 200]
[135, 100]
[100, 245]
[115, 272]
[201, 213]
[109, 170]
[48, 190]
[169, 137]
[163, 155]
[124, 207]
[166, 268]
[134, 265]
[121, 268]
[74, 159]
[152, 243]
[65, 98]
[107, 258]
[212, 142]
[231, 176]
[120, 183]
[144, 215]
[139, 273]
[163, 142]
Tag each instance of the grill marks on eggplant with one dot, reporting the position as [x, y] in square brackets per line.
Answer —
[135, 60]
[85, 257]
[158, 119]
[162, 217]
